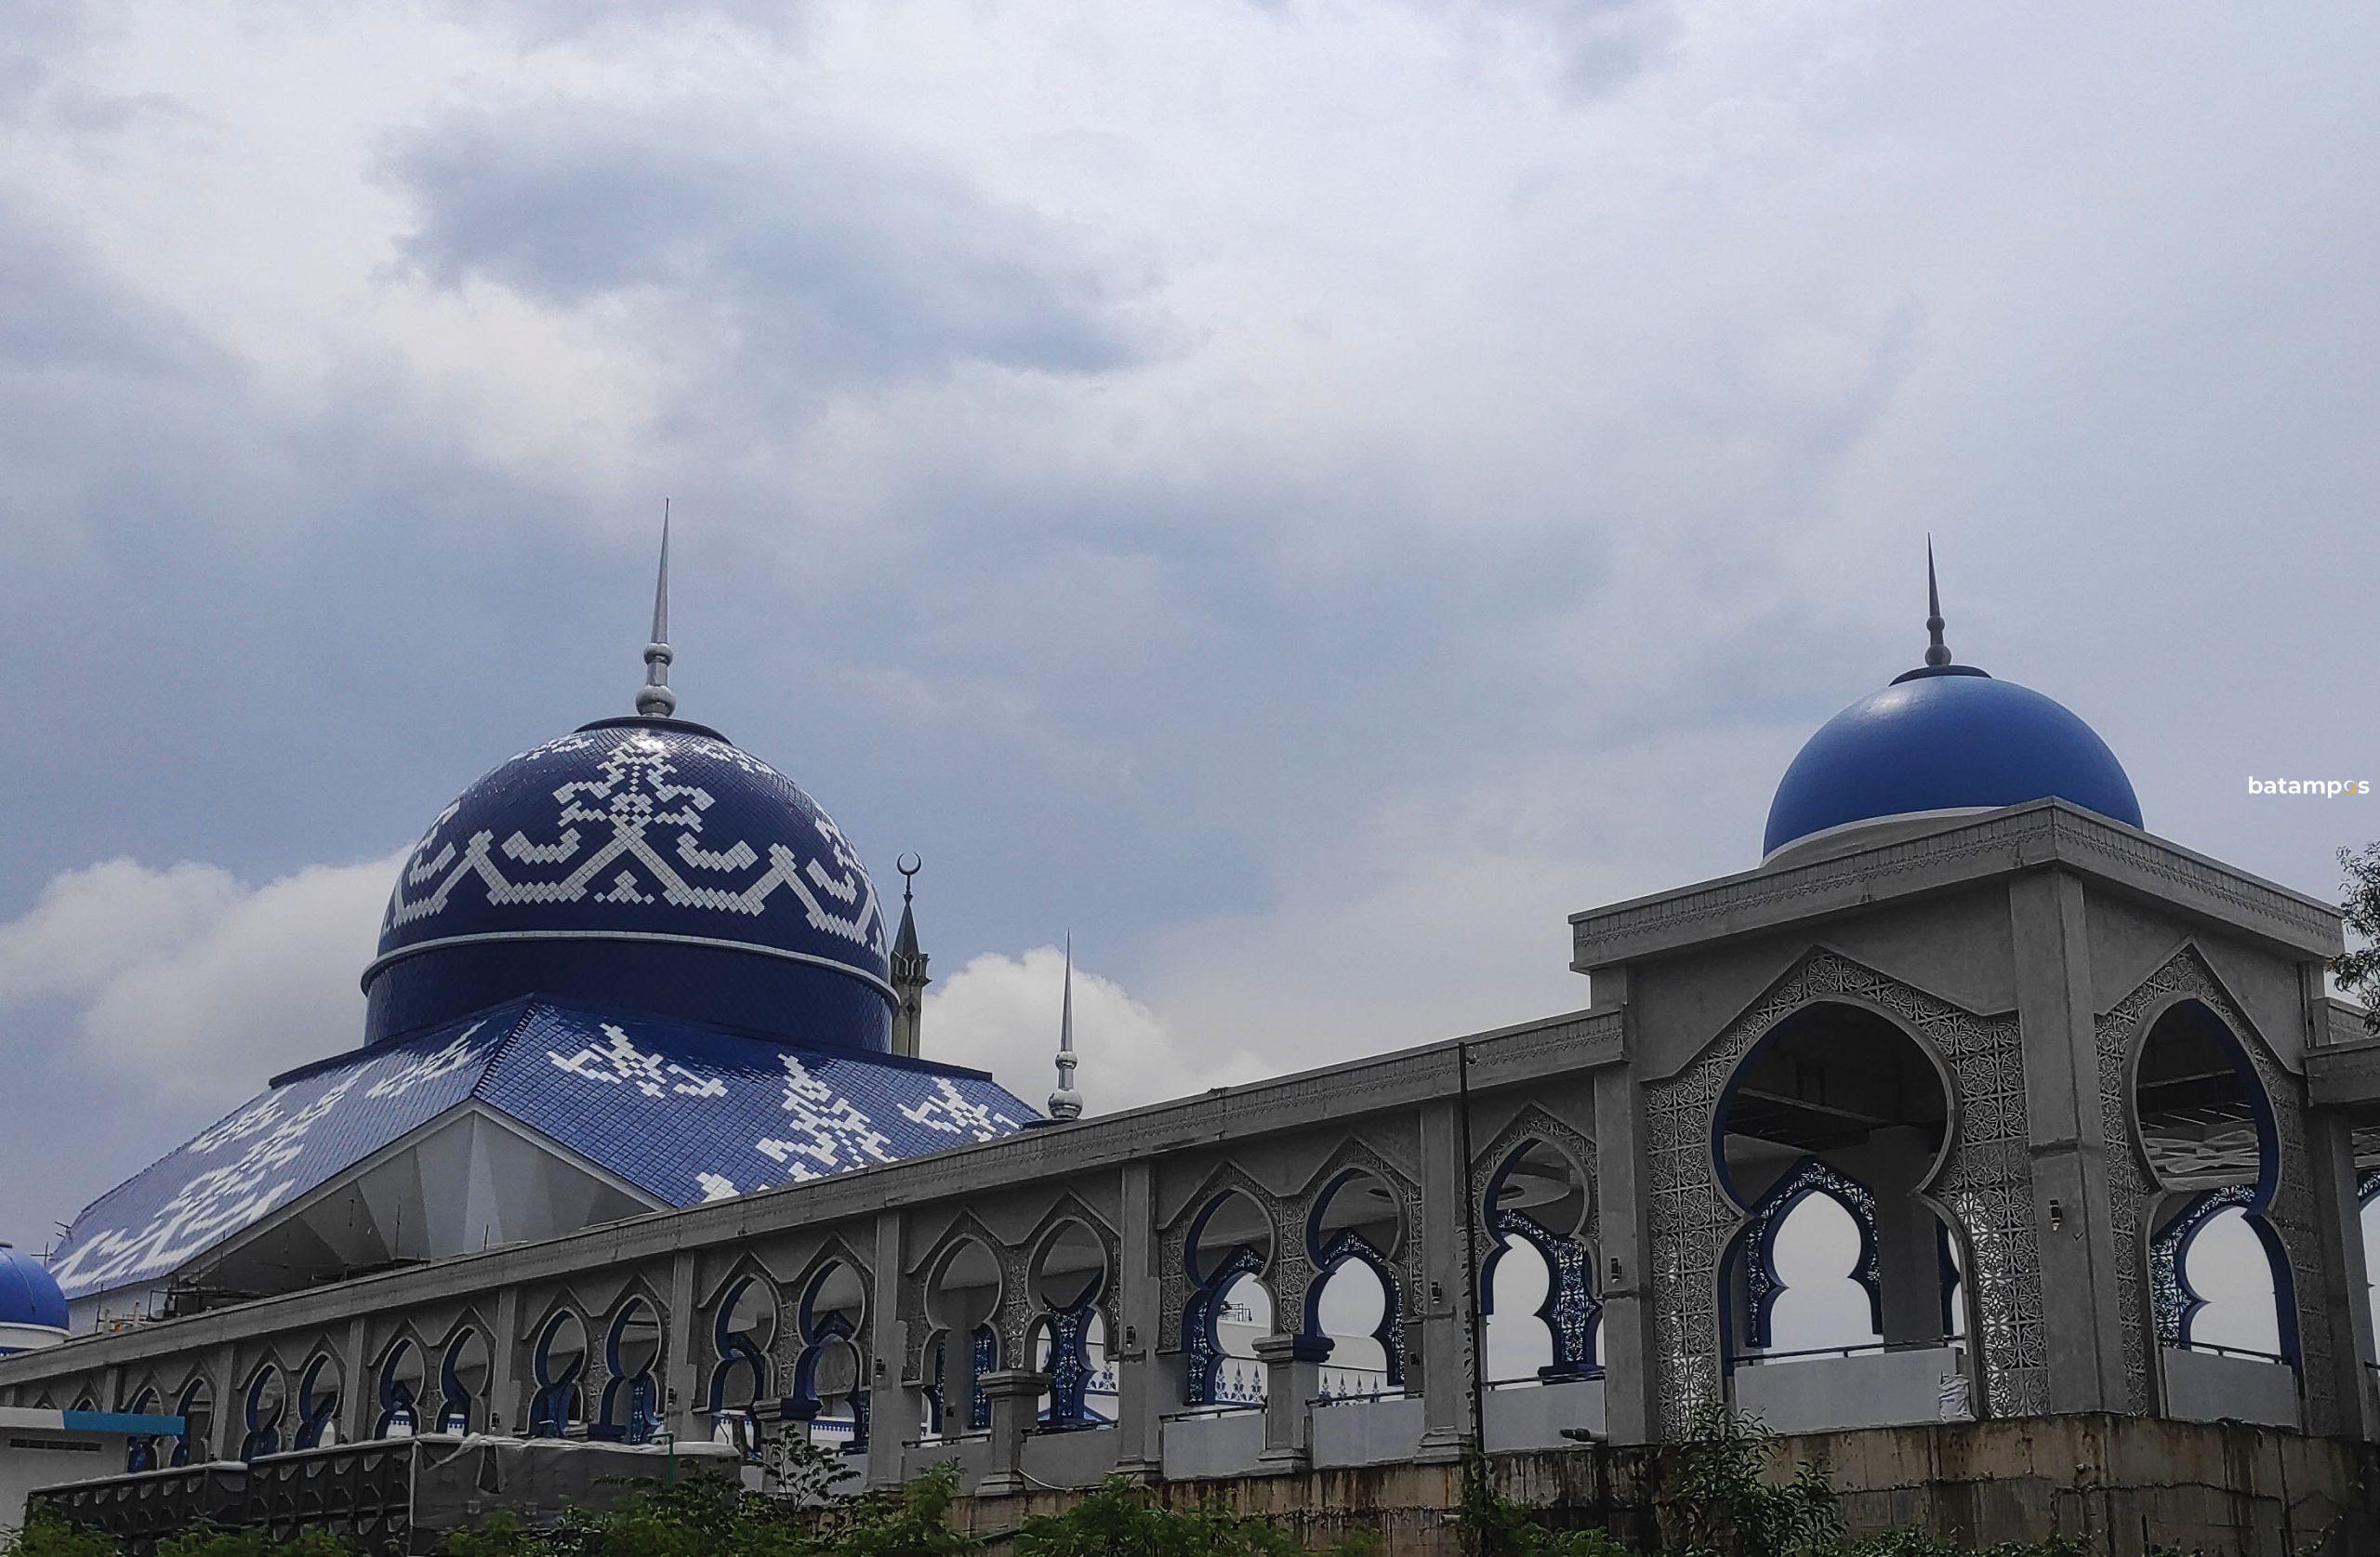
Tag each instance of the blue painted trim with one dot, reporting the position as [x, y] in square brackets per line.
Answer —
[140, 1422]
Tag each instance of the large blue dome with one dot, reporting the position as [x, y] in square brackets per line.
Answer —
[28, 1295]
[1945, 739]
[643, 864]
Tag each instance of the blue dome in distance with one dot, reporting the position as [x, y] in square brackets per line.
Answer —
[27, 1294]
[1941, 740]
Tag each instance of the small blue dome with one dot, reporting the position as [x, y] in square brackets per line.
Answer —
[646, 865]
[1946, 738]
[27, 1295]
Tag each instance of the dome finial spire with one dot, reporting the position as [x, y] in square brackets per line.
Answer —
[654, 699]
[1937, 651]
[1065, 1103]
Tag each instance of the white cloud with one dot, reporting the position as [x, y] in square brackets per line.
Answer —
[189, 984]
[1000, 1014]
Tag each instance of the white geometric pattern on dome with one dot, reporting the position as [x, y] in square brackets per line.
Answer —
[633, 797]
[950, 1111]
[839, 1133]
[616, 1062]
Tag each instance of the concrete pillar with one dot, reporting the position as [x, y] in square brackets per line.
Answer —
[2081, 1301]
[1908, 1251]
[1148, 1386]
[359, 1405]
[681, 1356]
[507, 1407]
[894, 1406]
[958, 1383]
[1015, 1397]
[231, 1424]
[1630, 1414]
[2339, 1295]
[1451, 1253]
[1292, 1377]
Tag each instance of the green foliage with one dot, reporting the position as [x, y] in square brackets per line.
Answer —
[1910, 1543]
[1501, 1527]
[1722, 1503]
[1125, 1520]
[2358, 968]
[207, 1542]
[45, 1534]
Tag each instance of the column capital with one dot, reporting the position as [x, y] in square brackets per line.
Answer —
[1291, 1349]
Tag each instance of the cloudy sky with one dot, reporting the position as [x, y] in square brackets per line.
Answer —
[1305, 494]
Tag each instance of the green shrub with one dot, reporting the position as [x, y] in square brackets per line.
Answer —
[45, 1535]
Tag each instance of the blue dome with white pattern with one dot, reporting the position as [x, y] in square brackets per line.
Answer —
[641, 864]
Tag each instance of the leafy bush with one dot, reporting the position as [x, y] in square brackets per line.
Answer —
[1722, 1503]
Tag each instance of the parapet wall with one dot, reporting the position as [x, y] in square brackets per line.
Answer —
[2120, 1485]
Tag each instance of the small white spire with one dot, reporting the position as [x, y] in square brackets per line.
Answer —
[1066, 1103]
[654, 699]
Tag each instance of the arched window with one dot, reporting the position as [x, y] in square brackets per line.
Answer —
[318, 1396]
[1352, 1306]
[962, 1297]
[196, 1407]
[631, 1403]
[1229, 1308]
[262, 1406]
[1827, 1136]
[556, 1364]
[463, 1372]
[399, 1390]
[744, 1329]
[1069, 1334]
[1537, 1284]
[2218, 1277]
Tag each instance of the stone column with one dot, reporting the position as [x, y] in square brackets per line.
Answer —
[680, 1364]
[1451, 1248]
[1292, 1377]
[508, 1409]
[1630, 1415]
[359, 1407]
[2338, 1295]
[1015, 1394]
[231, 1424]
[1909, 1253]
[2082, 1265]
[1148, 1386]
[895, 1408]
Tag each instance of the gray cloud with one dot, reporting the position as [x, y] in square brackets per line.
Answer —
[817, 265]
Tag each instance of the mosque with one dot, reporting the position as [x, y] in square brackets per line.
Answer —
[641, 1138]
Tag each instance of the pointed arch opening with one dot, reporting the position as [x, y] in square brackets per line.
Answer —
[1227, 1253]
[1838, 1306]
[1542, 1318]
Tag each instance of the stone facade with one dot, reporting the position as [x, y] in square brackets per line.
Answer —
[2020, 969]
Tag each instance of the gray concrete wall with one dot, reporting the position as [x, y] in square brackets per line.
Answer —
[2116, 1484]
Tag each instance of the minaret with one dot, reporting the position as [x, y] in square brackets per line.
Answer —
[1066, 1103]
[909, 979]
[654, 699]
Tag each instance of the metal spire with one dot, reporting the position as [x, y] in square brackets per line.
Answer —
[654, 699]
[1066, 1103]
[1937, 651]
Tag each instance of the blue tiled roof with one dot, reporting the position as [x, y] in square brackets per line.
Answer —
[686, 1114]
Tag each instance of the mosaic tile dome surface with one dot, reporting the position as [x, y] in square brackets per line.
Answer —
[644, 864]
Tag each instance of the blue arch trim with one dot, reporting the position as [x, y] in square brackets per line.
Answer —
[1757, 1242]
[1346, 1246]
[2177, 1303]
[1202, 1348]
